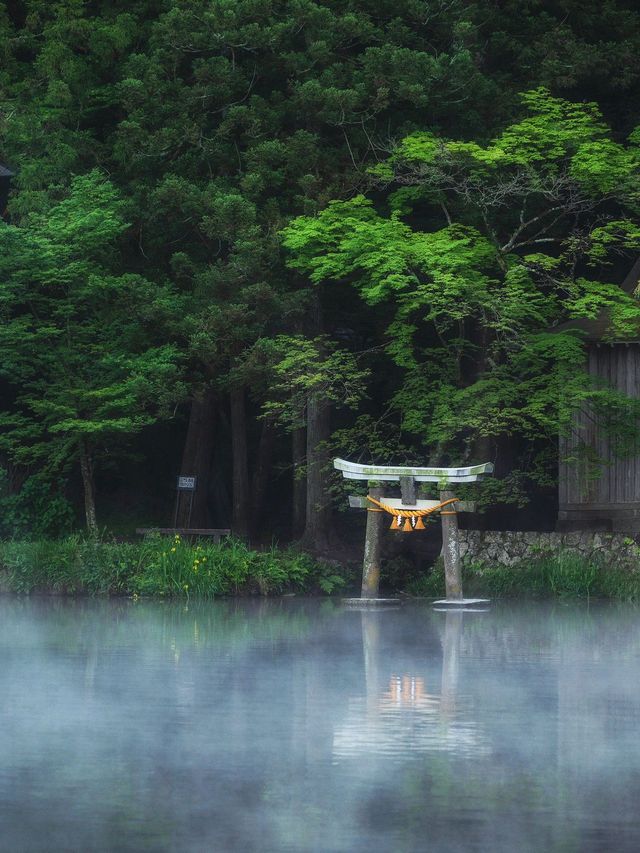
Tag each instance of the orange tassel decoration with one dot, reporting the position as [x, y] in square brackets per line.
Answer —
[419, 524]
[407, 526]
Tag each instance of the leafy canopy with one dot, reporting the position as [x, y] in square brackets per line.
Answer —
[77, 340]
[483, 253]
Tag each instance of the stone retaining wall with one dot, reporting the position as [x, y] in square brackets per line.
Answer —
[507, 548]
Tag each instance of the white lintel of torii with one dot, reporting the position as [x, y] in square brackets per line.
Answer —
[378, 473]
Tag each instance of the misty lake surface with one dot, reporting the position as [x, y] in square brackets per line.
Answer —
[299, 725]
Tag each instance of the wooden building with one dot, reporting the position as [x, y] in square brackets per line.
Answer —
[602, 495]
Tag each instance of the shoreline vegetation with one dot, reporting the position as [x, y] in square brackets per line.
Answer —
[161, 567]
[563, 574]
[164, 567]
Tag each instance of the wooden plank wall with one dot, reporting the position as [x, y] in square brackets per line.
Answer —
[619, 481]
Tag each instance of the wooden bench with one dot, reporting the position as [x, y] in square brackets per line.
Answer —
[216, 533]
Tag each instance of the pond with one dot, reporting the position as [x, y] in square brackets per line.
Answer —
[298, 725]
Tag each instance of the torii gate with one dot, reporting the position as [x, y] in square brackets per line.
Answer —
[408, 512]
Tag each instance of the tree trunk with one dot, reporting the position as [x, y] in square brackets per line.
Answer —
[299, 509]
[435, 458]
[240, 479]
[86, 468]
[318, 511]
[261, 472]
[196, 459]
[481, 450]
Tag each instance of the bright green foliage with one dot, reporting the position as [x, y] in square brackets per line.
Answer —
[178, 568]
[77, 340]
[160, 567]
[530, 225]
[306, 368]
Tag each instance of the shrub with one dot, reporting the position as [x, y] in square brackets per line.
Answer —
[39, 510]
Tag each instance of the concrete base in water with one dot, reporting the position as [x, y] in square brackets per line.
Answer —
[370, 602]
[461, 602]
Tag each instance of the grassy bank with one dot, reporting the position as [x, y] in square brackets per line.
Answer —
[161, 567]
[177, 568]
[562, 574]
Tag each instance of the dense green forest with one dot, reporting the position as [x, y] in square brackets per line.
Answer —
[243, 236]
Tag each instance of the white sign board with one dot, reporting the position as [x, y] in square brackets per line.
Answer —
[187, 484]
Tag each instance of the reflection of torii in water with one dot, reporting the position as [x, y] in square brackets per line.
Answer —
[450, 661]
[398, 714]
[409, 690]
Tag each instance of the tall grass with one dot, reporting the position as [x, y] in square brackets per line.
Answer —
[161, 567]
[563, 574]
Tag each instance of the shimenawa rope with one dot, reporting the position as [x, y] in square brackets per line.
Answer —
[413, 517]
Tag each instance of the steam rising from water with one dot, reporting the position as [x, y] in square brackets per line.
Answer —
[299, 726]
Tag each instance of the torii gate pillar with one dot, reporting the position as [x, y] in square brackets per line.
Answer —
[372, 548]
[451, 549]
